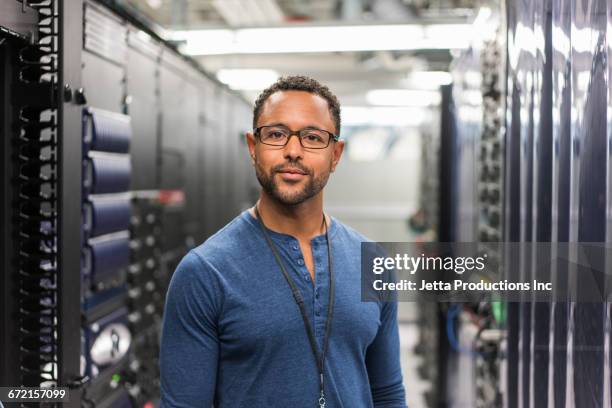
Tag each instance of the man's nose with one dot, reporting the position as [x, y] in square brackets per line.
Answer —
[293, 148]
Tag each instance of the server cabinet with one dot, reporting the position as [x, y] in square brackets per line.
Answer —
[143, 107]
[218, 172]
[193, 179]
[224, 147]
[588, 189]
[521, 56]
[561, 139]
[175, 99]
[570, 155]
[14, 219]
[210, 163]
[466, 93]
[106, 158]
[178, 101]
[40, 130]
[512, 195]
[246, 182]
[541, 204]
[104, 59]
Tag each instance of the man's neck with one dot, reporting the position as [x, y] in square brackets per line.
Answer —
[303, 221]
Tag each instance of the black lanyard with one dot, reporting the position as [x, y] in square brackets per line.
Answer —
[300, 302]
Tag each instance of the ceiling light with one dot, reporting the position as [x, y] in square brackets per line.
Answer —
[403, 97]
[247, 79]
[383, 116]
[155, 4]
[428, 79]
[301, 39]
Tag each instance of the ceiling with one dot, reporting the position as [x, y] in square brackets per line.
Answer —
[188, 14]
[348, 74]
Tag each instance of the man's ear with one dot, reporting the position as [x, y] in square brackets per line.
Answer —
[338, 149]
[250, 140]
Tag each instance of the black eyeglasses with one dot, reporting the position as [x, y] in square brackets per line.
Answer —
[310, 138]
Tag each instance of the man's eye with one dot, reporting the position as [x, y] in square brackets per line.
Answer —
[313, 137]
[276, 135]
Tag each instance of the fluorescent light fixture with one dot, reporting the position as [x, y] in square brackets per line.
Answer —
[403, 97]
[154, 4]
[383, 116]
[247, 79]
[428, 79]
[303, 39]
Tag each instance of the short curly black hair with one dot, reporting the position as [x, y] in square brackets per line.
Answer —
[299, 83]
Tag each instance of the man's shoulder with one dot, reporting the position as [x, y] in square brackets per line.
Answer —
[227, 241]
[349, 233]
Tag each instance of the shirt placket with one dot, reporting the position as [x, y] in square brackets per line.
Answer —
[321, 293]
[297, 259]
[315, 295]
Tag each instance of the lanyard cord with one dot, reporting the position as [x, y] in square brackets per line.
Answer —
[320, 358]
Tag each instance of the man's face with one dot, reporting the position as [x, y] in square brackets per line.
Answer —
[292, 174]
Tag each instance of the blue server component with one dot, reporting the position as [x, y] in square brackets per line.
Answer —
[106, 251]
[107, 174]
[104, 216]
[106, 131]
[107, 258]
[99, 302]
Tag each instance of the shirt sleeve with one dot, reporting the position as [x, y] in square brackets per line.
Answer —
[383, 362]
[189, 342]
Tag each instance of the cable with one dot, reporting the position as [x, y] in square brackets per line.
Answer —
[451, 315]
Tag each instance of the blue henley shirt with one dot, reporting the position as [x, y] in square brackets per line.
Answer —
[233, 336]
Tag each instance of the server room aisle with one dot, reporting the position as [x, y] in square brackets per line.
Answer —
[416, 387]
[475, 132]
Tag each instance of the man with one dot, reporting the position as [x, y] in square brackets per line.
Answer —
[246, 321]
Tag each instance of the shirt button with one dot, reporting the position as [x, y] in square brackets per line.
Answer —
[306, 277]
[317, 312]
[300, 262]
[295, 247]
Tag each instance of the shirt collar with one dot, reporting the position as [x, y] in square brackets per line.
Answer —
[281, 237]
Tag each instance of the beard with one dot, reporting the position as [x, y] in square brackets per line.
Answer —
[310, 188]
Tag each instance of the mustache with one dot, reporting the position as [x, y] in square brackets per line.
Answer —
[291, 166]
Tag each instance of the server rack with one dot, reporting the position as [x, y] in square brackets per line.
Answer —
[41, 128]
[116, 162]
[558, 136]
[561, 133]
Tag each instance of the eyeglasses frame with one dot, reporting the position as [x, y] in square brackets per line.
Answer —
[332, 136]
